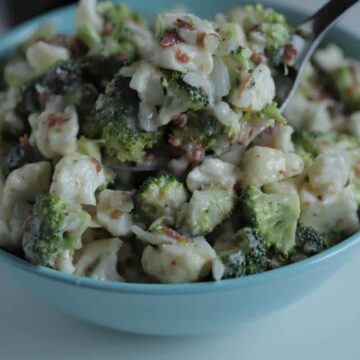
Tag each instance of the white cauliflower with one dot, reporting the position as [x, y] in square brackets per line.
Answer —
[9, 121]
[179, 263]
[98, 260]
[41, 56]
[213, 171]
[20, 190]
[329, 174]
[76, 178]
[113, 212]
[330, 58]
[278, 138]
[335, 212]
[263, 165]
[55, 133]
[255, 91]
[86, 13]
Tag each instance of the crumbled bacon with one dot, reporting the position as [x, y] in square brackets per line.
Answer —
[183, 24]
[24, 140]
[175, 142]
[181, 121]
[181, 56]
[289, 52]
[57, 119]
[195, 153]
[116, 214]
[172, 233]
[78, 48]
[45, 97]
[169, 39]
[259, 58]
[97, 164]
[201, 39]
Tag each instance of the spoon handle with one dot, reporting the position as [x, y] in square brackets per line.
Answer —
[318, 24]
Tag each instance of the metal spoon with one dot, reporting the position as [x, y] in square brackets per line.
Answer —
[305, 41]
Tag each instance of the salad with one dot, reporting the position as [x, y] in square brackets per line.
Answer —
[121, 92]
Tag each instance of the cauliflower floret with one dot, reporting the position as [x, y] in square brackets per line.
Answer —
[9, 121]
[330, 58]
[278, 138]
[55, 133]
[213, 171]
[20, 189]
[263, 165]
[336, 212]
[41, 56]
[87, 14]
[285, 186]
[255, 91]
[179, 263]
[76, 179]
[329, 174]
[98, 260]
[113, 212]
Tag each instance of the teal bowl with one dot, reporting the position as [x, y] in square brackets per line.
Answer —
[176, 309]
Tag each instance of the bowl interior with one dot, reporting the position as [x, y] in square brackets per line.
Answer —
[65, 20]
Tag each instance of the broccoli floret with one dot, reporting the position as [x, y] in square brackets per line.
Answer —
[61, 79]
[270, 112]
[274, 215]
[249, 257]
[206, 210]
[50, 230]
[348, 87]
[160, 196]
[271, 24]
[180, 97]
[115, 123]
[309, 241]
[202, 128]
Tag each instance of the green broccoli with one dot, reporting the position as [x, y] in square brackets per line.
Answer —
[201, 128]
[270, 112]
[115, 123]
[274, 215]
[206, 210]
[159, 196]
[309, 241]
[347, 86]
[180, 97]
[51, 230]
[249, 257]
[271, 24]
[61, 79]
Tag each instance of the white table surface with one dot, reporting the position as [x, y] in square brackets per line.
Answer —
[323, 326]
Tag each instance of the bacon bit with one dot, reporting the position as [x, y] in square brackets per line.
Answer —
[169, 39]
[198, 154]
[282, 172]
[116, 214]
[24, 140]
[173, 234]
[202, 90]
[259, 58]
[183, 24]
[347, 183]
[173, 263]
[45, 97]
[201, 39]
[97, 164]
[175, 142]
[107, 28]
[181, 56]
[78, 48]
[289, 52]
[57, 119]
[320, 198]
[181, 121]
[357, 169]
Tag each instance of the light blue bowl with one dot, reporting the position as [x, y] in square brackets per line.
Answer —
[176, 309]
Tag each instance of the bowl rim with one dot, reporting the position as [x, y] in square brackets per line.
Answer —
[20, 32]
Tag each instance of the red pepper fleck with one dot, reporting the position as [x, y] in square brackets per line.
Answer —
[289, 52]
[282, 172]
[201, 39]
[57, 119]
[181, 56]
[97, 164]
[183, 24]
[173, 263]
[169, 39]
